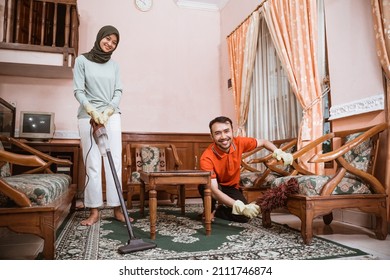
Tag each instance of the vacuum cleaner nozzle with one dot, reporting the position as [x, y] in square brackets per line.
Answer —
[136, 244]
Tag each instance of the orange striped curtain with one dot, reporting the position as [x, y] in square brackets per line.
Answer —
[236, 47]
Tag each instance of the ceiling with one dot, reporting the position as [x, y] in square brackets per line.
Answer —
[211, 5]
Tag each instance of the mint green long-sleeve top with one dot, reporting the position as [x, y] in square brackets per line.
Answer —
[97, 83]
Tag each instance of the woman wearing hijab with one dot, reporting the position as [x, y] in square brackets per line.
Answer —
[98, 89]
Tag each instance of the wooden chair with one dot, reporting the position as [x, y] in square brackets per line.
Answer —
[353, 184]
[256, 176]
[147, 157]
[38, 200]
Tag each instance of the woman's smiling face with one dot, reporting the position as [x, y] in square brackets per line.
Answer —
[109, 43]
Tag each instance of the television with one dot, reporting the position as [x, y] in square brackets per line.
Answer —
[36, 126]
[7, 118]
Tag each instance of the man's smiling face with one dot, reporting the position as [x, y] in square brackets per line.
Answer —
[222, 135]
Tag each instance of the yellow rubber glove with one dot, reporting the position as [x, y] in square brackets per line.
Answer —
[248, 210]
[91, 110]
[277, 154]
[251, 210]
[106, 114]
[286, 157]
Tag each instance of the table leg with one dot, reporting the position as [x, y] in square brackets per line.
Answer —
[152, 210]
[182, 197]
[207, 209]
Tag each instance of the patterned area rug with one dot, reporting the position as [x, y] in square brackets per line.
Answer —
[183, 237]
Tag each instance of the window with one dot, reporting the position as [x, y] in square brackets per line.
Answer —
[274, 111]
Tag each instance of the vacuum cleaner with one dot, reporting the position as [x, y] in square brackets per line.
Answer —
[134, 244]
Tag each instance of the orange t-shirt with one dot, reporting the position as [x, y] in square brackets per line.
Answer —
[226, 167]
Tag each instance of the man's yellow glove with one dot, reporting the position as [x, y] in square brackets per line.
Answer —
[249, 210]
[91, 110]
[286, 157]
[106, 114]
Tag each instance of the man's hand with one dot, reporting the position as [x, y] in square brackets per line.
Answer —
[286, 157]
[93, 113]
[106, 114]
[248, 210]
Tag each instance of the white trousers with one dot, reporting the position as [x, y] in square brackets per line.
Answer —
[93, 193]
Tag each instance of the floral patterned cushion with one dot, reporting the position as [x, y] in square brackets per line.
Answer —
[359, 156]
[150, 159]
[312, 185]
[5, 170]
[135, 177]
[41, 189]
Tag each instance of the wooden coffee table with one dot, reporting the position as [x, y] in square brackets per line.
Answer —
[174, 178]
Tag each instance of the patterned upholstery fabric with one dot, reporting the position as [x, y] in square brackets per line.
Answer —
[148, 159]
[41, 189]
[5, 170]
[358, 157]
[312, 185]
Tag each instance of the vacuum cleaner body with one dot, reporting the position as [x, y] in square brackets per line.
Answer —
[134, 244]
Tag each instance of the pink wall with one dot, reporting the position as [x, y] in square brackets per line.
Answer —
[354, 67]
[355, 71]
[169, 59]
[175, 65]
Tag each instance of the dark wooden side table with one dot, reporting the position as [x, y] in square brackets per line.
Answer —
[174, 178]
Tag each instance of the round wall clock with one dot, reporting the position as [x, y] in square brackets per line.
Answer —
[143, 5]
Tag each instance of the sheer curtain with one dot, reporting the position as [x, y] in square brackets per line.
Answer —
[274, 112]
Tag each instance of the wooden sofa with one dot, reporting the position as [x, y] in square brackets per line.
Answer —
[38, 200]
[352, 185]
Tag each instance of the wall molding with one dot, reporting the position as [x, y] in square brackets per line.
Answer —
[210, 5]
[357, 107]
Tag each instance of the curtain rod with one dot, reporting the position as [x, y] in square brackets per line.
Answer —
[257, 8]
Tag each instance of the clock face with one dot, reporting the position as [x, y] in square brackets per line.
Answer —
[144, 5]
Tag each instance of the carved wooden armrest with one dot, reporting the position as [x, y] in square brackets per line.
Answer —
[176, 158]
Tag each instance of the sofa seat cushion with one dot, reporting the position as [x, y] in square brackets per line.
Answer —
[312, 185]
[41, 189]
